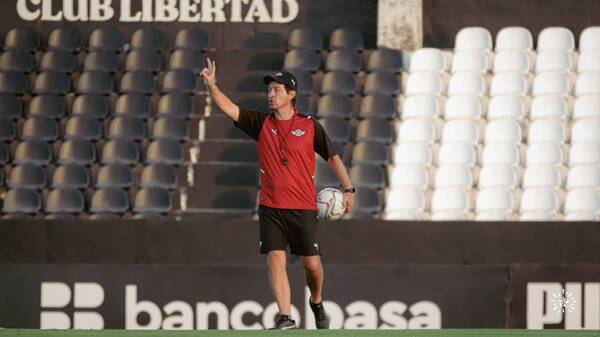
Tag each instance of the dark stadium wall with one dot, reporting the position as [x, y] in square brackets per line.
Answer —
[442, 19]
[259, 26]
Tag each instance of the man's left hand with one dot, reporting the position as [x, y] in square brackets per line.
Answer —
[349, 201]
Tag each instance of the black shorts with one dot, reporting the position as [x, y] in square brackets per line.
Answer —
[282, 227]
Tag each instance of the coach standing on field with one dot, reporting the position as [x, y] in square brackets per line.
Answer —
[287, 142]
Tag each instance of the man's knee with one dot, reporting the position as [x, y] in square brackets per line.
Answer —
[276, 259]
[311, 264]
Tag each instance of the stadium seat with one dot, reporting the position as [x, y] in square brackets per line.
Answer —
[324, 175]
[143, 60]
[467, 83]
[166, 151]
[508, 84]
[404, 204]
[133, 105]
[423, 83]
[28, 176]
[150, 39]
[8, 131]
[65, 200]
[114, 175]
[457, 154]
[551, 83]
[305, 38]
[109, 200]
[367, 203]
[539, 200]
[453, 176]
[170, 128]
[420, 106]
[368, 152]
[497, 176]
[230, 152]
[140, 82]
[127, 128]
[381, 83]
[94, 82]
[334, 105]
[95, 106]
[83, 127]
[193, 60]
[101, 60]
[337, 128]
[508, 61]
[514, 38]
[586, 130]
[470, 61]
[588, 83]
[377, 105]
[462, 106]
[505, 153]
[588, 61]
[368, 175]
[177, 105]
[35, 152]
[428, 60]
[503, 130]
[104, 216]
[346, 38]
[583, 176]
[460, 130]
[343, 60]
[148, 216]
[305, 80]
[547, 130]
[50, 106]
[159, 175]
[120, 151]
[549, 106]
[301, 60]
[22, 39]
[470, 38]
[496, 199]
[389, 60]
[71, 176]
[10, 106]
[13, 82]
[589, 39]
[555, 38]
[408, 175]
[179, 81]
[4, 154]
[539, 176]
[22, 200]
[64, 38]
[17, 60]
[449, 204]
[584, 202]
[338, 82]
[109, 39]
[553, 60]
[506, 106]
[40, 128]
[77, 151]
[546, 153]
[584, 153]
[191, 38]
[375, 129]
[418, 153]
[52, 82]
[153, 200]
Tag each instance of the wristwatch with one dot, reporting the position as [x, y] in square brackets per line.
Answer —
[350, 190]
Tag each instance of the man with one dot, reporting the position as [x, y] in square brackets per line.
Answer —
[287, 142]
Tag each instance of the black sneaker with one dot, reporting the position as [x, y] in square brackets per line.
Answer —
[321, 319]
[284, 322]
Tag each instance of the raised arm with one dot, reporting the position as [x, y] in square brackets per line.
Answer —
[223, 102]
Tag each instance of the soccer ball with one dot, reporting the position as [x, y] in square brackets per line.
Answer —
[330, 203]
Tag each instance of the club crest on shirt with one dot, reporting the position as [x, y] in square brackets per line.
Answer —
[298, 132]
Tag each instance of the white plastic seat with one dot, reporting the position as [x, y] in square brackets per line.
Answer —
[403, 215]
[581, 216]
[457, 154]
[537, 216]
[588, 83]
[503, 130]
[405, 199]
[497, 176]
[512, 61]
[546, 153]
[409, 175]
[551, 83]
[589, 39]
[514, 38]
[495, 199]
[587, 106]
[416, 130]
[508, 84]
[462, 106]
[506, 106]
[555, 38]
[586, 130]
[541, 176]
[470, 38]
[453, 176]
[588, 61]
[584, 153]
[448, 215]
[583, 176]
[582, 200]
[492, 216]
[450, 199]
[547, 130]
[423, 83]
[549, 106]
[420, 106]
[466, 83]
[553, 60]
[412, 153]
[460, 130]
[429, 60]
[505, 153]
[539, 200]
[470, 60]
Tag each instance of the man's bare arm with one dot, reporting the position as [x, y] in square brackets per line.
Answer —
[337, 166]
[223, 102]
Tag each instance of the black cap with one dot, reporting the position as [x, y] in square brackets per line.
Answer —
[284, 78]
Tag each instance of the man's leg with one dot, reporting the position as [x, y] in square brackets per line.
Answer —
[313, 273]
[278, 279]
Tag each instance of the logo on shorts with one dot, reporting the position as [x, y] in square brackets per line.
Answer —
[316, 246]
[298, 132]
